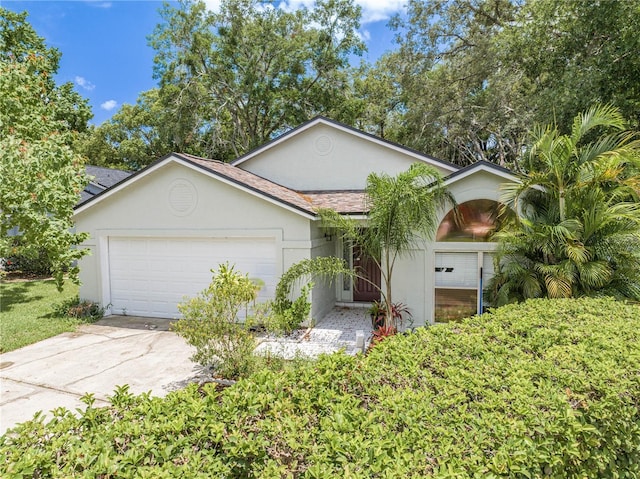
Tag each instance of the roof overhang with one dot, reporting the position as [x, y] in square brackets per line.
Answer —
[174, 158]
[484, 166]
[351, 131]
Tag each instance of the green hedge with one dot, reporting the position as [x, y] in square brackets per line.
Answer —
[548, 388]
[28, 261]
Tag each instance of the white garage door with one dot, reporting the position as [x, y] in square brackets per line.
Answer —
[150, 276]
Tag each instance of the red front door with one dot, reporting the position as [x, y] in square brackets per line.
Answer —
[366, 267]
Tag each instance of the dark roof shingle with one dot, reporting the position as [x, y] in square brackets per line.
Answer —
[106, 177]
[346, 202]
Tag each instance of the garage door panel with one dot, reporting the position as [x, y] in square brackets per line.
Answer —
[150, 276]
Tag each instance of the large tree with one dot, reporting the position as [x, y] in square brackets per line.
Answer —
[41, 175]
[479, 72]
[578, 226]
[377, 91]
[462, 101]
[236, 78]
[134, 137]
[575, 53]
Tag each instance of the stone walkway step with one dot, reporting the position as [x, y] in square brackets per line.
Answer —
[342, 328]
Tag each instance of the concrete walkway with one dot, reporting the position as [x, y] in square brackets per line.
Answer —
[140, 352]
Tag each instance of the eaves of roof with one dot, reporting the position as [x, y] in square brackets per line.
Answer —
[307, 203]
[481, 165]
[342, 126]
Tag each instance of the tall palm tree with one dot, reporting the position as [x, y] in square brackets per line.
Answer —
[403, 211]
[578, 226]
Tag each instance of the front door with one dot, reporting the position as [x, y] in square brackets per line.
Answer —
[365, 267]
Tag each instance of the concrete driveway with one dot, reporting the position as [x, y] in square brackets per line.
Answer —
[96, 358]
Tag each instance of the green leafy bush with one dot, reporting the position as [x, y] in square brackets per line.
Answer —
[547, 388]
[83, 310]
[28, 261]
[284, 315]
[211, 323]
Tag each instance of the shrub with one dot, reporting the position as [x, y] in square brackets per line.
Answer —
[548, 388]
[211, 323]
[286, 315]
[84, 310]
[283, 317]
[28, 261]
[399, 313]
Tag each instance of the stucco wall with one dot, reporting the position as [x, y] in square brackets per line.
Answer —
[409, 285]
[147, 208]
[326, 158]
[223, 211]
[414, 276]
[324, 291]
[479, 185]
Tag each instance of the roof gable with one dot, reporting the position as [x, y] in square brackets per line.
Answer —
[481, 165]
[236, 177]
[328, 156]
[320, 120]
[305, 203]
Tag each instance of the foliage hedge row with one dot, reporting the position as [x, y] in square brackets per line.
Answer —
[548, 388]
[31, 262]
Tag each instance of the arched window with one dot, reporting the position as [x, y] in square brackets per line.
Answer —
[474, 220]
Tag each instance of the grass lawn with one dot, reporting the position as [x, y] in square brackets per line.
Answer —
[28, 312]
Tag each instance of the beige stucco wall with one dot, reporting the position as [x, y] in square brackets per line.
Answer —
[479, 185]
[327, 158]
[324, 291]
[408, 285]
[221, 211]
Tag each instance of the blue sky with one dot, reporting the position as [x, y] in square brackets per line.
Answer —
[104, 43]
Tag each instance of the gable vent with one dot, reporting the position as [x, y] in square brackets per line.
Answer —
[324, 145]
[182, 197]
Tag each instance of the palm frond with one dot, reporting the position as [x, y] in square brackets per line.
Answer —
[597, 116]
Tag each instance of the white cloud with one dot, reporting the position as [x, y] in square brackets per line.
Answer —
[213, 5]
[372, 10]
[99, 3]
[109, 105]
[84, 83]
[376, 10]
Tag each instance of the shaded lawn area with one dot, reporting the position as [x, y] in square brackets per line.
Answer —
[28, 312]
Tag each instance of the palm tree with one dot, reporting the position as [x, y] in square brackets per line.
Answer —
[403, 211]
[578, 226]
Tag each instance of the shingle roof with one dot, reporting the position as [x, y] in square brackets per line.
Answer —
[106, 177]
[253, 182]
[103, 178]
[346, 202]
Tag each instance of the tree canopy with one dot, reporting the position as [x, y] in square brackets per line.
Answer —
[134, 137]
[466, 81]
[41, 175]
[240, 76]
[479, 73]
